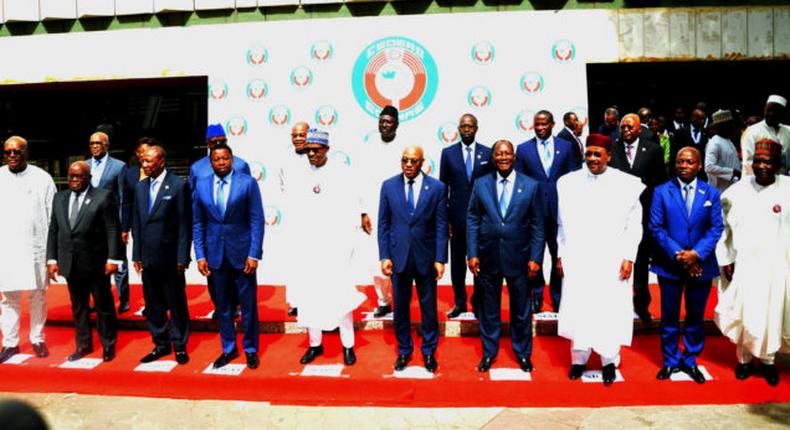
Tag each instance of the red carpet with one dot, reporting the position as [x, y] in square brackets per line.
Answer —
[369, 382]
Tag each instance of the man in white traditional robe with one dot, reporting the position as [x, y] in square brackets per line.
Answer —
[325, 212]
[754, 309]
[23, 229]
[600, 228]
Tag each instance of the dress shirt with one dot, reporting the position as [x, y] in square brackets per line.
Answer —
[634, 150]
[98, 169]
[226, 188]
[692, 190]
[509, 190]
[157, 186]
[417, 187]
[546, 162]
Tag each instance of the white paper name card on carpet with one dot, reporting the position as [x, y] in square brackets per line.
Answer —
[139, 312]
[18, 358]
[369, 317]
[325, 370]
[509, 374]
[547, 316]
[156, 366]
[683, 377]
[208, 316]
[82, 363]
[413, 372]
[226, 370]
[597, 376]
[464, 316]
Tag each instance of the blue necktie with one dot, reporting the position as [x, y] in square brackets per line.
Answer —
[546, 157]
[410, 197]
[689, 198]
[503, 198]
[151, 195]
[468, 162]
[221, 197]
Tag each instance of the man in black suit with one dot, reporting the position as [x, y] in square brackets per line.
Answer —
[162, 230]
[678, 121]
[644, 159]
[693, 136]
[645, 115]
[134, 174]
[571, 133]
[84, 246]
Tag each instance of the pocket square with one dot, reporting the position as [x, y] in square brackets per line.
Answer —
[707, 203]
[167, 197]
[483, 162]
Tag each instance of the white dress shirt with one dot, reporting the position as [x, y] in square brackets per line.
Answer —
[417, 187]
[97, 170]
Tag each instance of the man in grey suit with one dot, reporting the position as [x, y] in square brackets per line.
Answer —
[109, 173]
[84, 246]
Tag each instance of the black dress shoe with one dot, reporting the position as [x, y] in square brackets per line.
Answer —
[79, 354]
[293, 312]
[382, 311]
[349, 357]
[609, 374]
[311, 354]
[525, 363]
[182, 357]
[226, 358]
[744, 370]
[666, 372]
[455, 312]
[770, 374]
[402, 361]
[154, 355]
[576, 372]
[8, 352]
[252, 360]
[430, 362]
[485, 364]
[41, 350]
[645, 316]
[123, 307]
[108, 354]
[694, 373]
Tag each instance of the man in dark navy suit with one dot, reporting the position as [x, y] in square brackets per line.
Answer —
[505, 241]
[546, 159]
[460, 165]
[162, 230]
[686, 223]
[412, 240]
[571, 133]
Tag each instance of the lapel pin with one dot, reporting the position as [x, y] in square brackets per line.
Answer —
[87, 201]
[167, 187]
[426, 187]
[519, 190]
[644, 149]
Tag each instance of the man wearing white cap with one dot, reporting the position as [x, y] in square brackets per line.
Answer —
[768, 128]
[721, 157]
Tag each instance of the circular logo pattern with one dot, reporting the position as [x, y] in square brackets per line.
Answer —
[257, 55]
[218, 90]
[395, 71]
[279, 115]
[258, 171]
[236, 126]
[563, 51]
[341, 157]
[524, 121]
[531, 83]
[448, 133]
[326, 116]
[483, 53]
[272, 215]
[301, 77]
[479, 97]
[257, 90]
[321, 51]
[429, 166]
[581, 115]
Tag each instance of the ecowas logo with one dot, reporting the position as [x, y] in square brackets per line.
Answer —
[321, 51]
[257, 90]
[483, 53]
[301, 77]
[563, 51]
[218, 89]
[524, 121]
[447, 133]
[279, 115]
[272, 215]
[479, 97]
[531, 83]
[429, 166]
[326, 115]
[258, 171]
[395, 71]
[236, 126]
[257, 55]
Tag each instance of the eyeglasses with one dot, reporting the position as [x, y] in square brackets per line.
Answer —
[214, 141]
[13, 152]
[96, 142]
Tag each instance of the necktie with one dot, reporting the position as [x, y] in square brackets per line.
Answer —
[468, 162]
[689, 197]
[629, 152]
[696, 135]
[75, 210]
[503, 198]
[221, 197]
[151, 195]
[546, 157]
[410, 196]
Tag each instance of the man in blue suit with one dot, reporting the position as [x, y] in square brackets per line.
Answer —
[545, 159]
[228, 230]
[413, 249]
[109, 173]
[460, 165]
[215, 135]
[505, 237]
[160, 252]
[686, 223]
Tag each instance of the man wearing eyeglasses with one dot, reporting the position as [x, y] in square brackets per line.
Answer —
[24, 231]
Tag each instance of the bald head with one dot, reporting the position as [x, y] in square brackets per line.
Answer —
[15, 153]
[79, 176]
[299, 136]
[99, 144]
[630, 127]
[411, 161]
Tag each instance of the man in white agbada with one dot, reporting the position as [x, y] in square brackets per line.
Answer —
[24, 228]
[754, 310]
[325, 210]
[600, 226]
[769, 128]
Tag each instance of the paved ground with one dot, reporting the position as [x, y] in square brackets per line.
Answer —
[73, 411]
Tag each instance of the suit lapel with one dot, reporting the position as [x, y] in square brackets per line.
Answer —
[400, 193]
[419, 204]
[514, 194]
[699, 199]
[491, 184]
[163, 188]
[86, 205]
[233, 190]
[536, 157]
[677, 195]
[477, 163]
